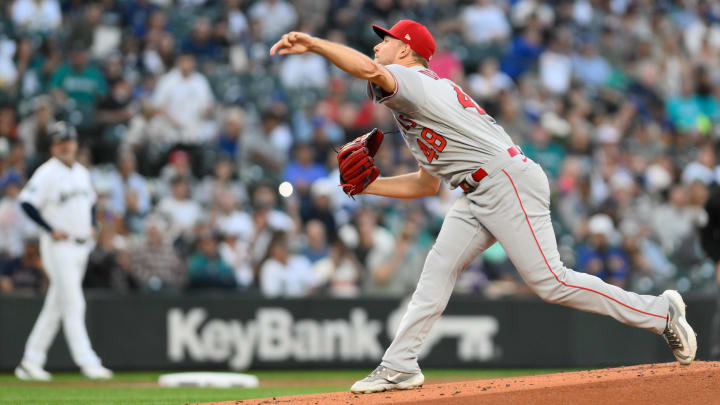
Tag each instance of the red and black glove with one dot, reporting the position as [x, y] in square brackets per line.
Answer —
[356, 163]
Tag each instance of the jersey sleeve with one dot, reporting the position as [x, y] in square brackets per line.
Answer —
[409, 94]
[37, 189]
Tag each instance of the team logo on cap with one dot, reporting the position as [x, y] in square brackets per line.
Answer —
[407, 36]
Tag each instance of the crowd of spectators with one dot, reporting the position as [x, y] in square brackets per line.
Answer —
[189, 126]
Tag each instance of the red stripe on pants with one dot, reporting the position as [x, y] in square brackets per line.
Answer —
[550, 268]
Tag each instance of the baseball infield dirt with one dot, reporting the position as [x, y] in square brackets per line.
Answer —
[651, 384]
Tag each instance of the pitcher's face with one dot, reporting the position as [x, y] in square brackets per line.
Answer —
[387, 50]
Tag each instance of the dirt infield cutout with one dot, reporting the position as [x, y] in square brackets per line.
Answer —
[651, 384]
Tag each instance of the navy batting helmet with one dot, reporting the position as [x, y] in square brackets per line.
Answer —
[62, 131]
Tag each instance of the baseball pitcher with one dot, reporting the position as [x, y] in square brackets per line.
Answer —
[506, 199]
[59, 197]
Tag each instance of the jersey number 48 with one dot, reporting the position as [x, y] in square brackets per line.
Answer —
[435, 142]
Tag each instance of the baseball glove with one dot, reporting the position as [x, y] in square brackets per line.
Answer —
[356, 163]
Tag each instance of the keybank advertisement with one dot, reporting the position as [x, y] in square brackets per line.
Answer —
[237, 332]
[274, 334]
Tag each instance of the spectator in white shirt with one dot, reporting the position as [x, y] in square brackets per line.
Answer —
[308, 70]
[182, 211]
[676, 220]
[32, 130]
[524, 11]
[237, 230]
[183, 99]
[8, 71]
[267, 220]
[236, 253]
[229, 219]
[489, 81]
[178, 164]
[485, 22]
[276, 17]
[283, 274]
[556, 66]
[237, 23]
[340, 271]
[269, 148]
[128, 191]
[212, 187]
[36, 15]
[15, 226]
[699, 31]
[703, 168]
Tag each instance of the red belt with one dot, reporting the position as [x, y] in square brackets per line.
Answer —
[480, 173]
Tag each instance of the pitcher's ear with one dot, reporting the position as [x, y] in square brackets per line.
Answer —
[407, 50]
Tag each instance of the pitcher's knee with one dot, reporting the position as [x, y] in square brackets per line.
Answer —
[547, 293]
[552, 289]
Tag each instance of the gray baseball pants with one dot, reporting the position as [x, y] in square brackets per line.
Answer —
[510, 205]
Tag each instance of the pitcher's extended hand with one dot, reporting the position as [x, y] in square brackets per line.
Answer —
[292, 43]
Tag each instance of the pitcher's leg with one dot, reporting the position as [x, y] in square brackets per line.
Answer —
[584, 291]
[525, 231]
[460, 240]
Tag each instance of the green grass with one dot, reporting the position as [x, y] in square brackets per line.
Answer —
[137, 387]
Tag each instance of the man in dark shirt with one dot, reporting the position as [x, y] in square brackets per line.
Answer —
[710, 239]
[24, 275]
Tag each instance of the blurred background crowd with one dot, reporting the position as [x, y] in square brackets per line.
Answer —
[189, 127]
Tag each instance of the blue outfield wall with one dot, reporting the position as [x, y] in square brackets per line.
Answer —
[220, 331]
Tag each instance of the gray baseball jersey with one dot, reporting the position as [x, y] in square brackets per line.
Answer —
[451, 137]
[446, 131]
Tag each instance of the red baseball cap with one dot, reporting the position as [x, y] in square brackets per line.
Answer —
[412, 33]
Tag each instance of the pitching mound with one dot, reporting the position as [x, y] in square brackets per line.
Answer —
[651, 384]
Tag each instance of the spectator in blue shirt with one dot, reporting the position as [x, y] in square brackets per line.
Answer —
[229, 138]
[201, 44]
[598, 257]
[129, 195]
[522, 54]
[316, 246]
[136, 14]
[590, 67]
[303, 170]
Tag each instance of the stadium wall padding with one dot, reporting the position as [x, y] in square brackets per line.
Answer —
[230, 331]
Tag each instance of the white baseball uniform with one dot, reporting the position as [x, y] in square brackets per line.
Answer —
[64, 197]
[454, 139]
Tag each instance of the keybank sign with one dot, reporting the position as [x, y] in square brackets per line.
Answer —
[274, 335]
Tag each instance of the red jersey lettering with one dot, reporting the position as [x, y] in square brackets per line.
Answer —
[430, 154]
[466, 101]
[405, 122]
[434, 139]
